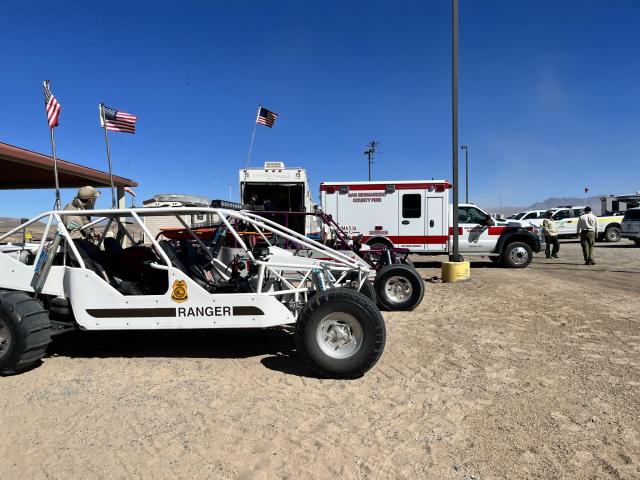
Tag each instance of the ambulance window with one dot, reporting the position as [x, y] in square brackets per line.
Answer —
[562, 214]
[577, 212]
[411, 205]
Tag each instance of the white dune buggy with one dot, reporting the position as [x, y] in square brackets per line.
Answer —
[228, 275]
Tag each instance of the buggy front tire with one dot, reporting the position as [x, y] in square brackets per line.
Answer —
[340, 333]
[369, 291]
[25, 331]
[399, 287]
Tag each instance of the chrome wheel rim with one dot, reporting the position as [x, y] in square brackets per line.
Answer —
[613, 235]
[398, 289]
[519, 255]
[339, 335]
[5, 338]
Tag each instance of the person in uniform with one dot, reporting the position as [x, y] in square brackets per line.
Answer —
[550, 236]
[85, 199]
[588, 231]
[92, 256]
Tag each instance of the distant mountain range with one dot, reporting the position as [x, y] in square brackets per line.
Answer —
[593, 202]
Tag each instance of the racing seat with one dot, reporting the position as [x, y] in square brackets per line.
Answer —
[195, 273]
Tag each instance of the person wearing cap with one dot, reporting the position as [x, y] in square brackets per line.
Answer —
[550, 235]
[85, 199]
[588, 231]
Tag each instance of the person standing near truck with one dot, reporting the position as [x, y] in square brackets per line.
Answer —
[550, 235]
[588, 231]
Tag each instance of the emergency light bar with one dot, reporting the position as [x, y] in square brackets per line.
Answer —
[229, 205]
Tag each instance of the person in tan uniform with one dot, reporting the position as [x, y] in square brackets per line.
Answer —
[92, 256]
[85, 199]
[588, 231]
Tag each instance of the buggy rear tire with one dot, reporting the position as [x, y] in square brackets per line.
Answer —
[25, 331]
[406, 261]
[340, 333]
[399, 287]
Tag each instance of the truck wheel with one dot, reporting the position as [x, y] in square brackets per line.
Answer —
[25, 331]
[340, 333]
[399, 287]
[612, 234]
[517, 255]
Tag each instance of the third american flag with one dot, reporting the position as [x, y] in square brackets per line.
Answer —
[266, 117]
[117, 120]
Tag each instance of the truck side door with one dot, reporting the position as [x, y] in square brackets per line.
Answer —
[475, 231]
[564, 222]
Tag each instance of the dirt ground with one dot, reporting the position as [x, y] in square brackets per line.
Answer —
[530, 373]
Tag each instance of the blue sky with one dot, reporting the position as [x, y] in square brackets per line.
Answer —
[549, 91]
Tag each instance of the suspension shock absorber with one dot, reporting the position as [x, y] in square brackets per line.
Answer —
[318, 279]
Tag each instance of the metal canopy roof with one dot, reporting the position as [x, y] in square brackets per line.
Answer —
[24, 169]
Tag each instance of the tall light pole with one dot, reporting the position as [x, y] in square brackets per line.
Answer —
[454, 123]
[466, 170]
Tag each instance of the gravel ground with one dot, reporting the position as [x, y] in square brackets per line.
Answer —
[530, 373]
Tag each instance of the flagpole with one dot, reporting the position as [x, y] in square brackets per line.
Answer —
[55, 168]
[55, 159]
[253, 136]
[106, 141]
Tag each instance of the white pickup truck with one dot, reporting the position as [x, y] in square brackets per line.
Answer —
[566, 219]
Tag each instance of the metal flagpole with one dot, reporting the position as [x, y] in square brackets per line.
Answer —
[253, 136]
[106, 141]
[55, 168]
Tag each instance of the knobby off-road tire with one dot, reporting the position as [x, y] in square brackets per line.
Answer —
[517, 255]
[25, 331]
[612, 234]
[369, 291]
[340, 333]
[406, 261]
[399, 287]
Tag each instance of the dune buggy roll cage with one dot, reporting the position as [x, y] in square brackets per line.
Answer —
[337, 271]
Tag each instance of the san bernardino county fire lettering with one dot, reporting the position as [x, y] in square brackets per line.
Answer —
[367, 197]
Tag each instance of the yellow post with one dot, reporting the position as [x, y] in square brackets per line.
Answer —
[455, 271]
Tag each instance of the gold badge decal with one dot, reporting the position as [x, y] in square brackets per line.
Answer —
[179, 291]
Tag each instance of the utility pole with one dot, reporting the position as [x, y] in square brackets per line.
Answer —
[370, 153]
[455, 257]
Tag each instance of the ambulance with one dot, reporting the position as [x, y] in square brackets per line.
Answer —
[416, 214]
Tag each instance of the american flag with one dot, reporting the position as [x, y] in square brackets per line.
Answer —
[51, 106]
[266, 117]
[118, 121]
